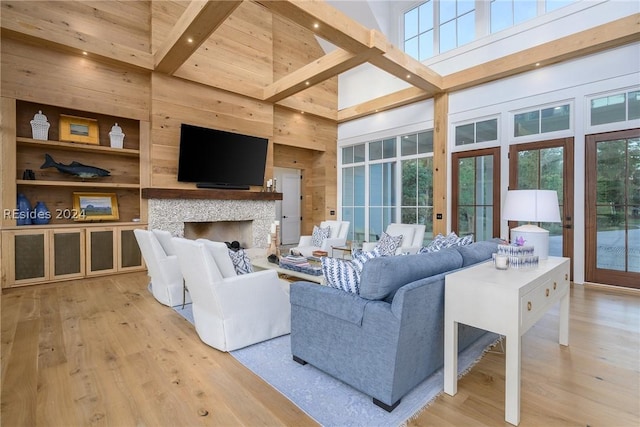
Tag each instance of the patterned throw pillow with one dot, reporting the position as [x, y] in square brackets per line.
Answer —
[319, 235]
[387, 245]
[441, 242]
[466, 240]
[360, 257]
[241, 261]
[340, 274]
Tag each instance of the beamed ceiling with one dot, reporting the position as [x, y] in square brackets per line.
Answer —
[355, 45]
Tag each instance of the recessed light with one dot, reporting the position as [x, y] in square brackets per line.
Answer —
[316, 25]
[189, 40]
[537, 64]
[408, 76]
[85, 53]
[307, 83]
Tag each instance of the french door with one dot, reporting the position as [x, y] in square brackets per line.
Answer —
[547, 165]
[612, 208]
[476, 193]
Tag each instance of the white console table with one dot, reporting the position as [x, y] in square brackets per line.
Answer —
[507, 302]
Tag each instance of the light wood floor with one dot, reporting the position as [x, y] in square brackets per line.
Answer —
[104, 352]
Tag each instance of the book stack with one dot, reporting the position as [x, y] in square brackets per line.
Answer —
[300, 264]
[519, 256]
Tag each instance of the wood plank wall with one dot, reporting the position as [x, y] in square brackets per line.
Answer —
[248, 52]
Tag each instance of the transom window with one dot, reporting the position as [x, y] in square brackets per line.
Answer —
[619, 107]
[476, 132]
[542, 120]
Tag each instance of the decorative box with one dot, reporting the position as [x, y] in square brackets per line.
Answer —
[40, 126]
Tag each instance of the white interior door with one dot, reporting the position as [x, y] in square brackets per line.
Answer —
[288, 210]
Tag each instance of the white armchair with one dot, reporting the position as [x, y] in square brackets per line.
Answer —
[412, 237]
[167, 285]
[338, 237]
[237, 310]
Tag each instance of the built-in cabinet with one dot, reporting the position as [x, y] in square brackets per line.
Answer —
[69, 246]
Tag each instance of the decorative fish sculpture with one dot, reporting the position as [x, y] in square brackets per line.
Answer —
[74, 168]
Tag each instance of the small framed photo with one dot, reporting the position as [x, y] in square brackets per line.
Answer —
[96, 206]
[79, 129]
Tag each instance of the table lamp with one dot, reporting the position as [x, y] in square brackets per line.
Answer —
[532, 206]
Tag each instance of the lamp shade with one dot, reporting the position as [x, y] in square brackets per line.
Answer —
[532, 206]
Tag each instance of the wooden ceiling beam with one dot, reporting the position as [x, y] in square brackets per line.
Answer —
[197, 23]
[403, 66]
[314, 73]
[613, 34]
[323, 20]
[387, 102]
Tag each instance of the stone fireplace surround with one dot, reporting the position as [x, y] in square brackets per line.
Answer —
[251, 215]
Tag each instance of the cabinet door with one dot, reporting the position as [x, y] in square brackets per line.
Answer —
[67, 260]
[129, 255]
[101, 251]
[27, 254]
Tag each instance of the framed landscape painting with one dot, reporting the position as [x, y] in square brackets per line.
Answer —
[96, 206]
[79, 129]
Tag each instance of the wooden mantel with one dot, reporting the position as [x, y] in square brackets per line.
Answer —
[207, 194]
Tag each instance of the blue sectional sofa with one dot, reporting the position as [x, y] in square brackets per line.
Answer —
[389, 338]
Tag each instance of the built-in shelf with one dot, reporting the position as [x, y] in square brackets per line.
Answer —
[207, 194]
[60, 145]
[43, 183]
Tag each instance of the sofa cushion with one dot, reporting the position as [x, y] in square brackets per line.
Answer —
[388, 244]
[382, 277]
[477, 252]
[241, 261]
[340, 274]
[319, 235]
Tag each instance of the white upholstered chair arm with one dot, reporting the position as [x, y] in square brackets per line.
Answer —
[329, 243]
[368, 246]
[408, 249]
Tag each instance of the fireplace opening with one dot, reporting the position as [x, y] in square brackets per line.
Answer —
[221, 231]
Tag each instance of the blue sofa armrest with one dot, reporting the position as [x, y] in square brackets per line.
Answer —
[333, 302]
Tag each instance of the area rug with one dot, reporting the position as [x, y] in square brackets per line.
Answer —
[331, 402]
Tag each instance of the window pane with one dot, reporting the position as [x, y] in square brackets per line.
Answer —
[358, 185]
[556, 118]
[526, 123]
[466, 179]
[608, 109]
[465, 6]
[411, 48]
[426, 16]
[524, 10]
[375, 185]
[464, 134]
[501, 15]
[487, 130]
[447, 10]
[447, 36]
[411, 24]
[611, 177]
[347, 187]
[425, 142]
[409, 145]
[347, 155]
[375, 150]
[389, 148]
[634, 105]
[376, 224]
[466, 28]
[551, 167]
[425, 183]
[528, 169]
[358, 153]
[426, 45]
[409, 215]
[409, 183]
[484, 180]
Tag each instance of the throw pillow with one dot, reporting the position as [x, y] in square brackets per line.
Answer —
[387, 245]
[360, 257]
[241, 261]
[466, 240]
[340, 274]
[319, 235]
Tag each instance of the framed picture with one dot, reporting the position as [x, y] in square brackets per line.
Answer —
[95, 206]
[79, 129]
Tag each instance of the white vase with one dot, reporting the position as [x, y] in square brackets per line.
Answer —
[116, 136]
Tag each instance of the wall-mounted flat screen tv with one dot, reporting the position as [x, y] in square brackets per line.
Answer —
[218, 159]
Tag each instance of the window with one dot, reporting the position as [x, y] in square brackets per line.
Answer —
[481, 131]
[437, 26]
[385, 181]
[544, 120]
[619, 107]
[507, 13]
